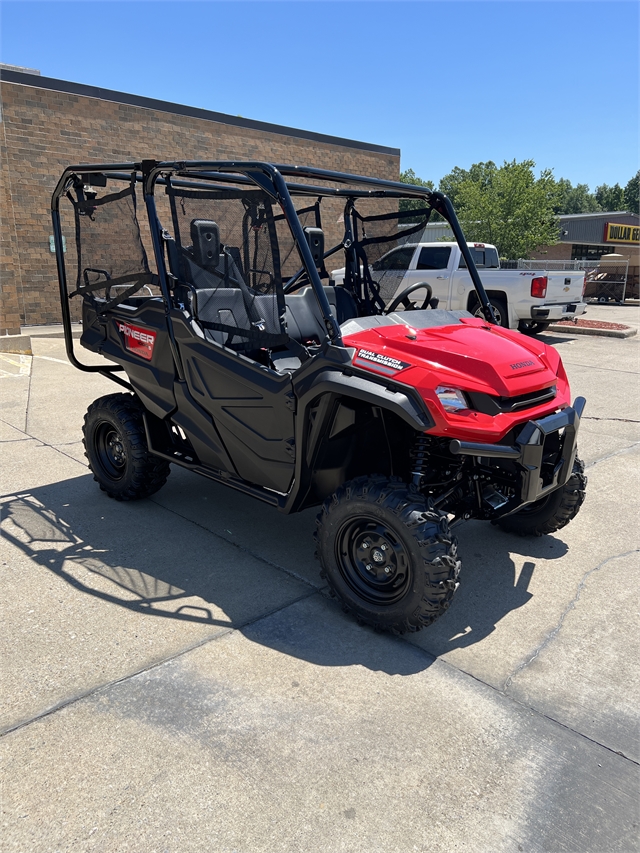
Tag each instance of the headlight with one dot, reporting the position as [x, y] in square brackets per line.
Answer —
[452, 399]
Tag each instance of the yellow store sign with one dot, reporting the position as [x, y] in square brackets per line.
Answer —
[614, 233]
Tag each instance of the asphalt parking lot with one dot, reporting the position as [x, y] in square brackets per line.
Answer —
[175, 678]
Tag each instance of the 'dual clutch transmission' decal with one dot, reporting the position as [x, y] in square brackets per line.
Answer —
[136, 340]
[383, 363]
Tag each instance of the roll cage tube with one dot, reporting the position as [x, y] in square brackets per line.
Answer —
[444, 207]
[269, 179]
[156, 239]
[65, 182]
[382, 188]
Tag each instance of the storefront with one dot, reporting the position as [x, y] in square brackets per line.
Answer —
[589, 236]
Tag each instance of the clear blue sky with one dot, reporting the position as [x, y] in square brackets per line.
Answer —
[449, 83]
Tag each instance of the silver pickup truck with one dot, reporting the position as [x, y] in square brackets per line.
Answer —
[521, 299]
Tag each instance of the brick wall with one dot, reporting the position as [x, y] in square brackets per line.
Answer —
[44, 130]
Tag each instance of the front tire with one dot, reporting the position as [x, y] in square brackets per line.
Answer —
[115, 445]
[386, 555]
[552, 512]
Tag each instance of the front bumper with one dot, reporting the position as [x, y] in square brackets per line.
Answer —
[549, 313]
[539, 474]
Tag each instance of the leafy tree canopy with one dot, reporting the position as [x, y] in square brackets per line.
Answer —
[511, 207]
[610, 198]
[505, 205]
[578, 199]
[631, 202]
[479, 174]
[410, 177]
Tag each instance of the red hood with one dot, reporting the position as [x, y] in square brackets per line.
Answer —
[472, 356]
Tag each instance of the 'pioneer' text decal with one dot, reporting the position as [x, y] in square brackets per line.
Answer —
[136, 340]
[383, 363]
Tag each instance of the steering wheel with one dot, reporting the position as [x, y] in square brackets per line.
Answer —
[403, 297]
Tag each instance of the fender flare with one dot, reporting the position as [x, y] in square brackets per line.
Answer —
[388, 396]
[327, 386]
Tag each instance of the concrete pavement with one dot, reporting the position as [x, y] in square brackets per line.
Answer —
[174, 677]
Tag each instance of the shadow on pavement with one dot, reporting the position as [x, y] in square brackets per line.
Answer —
[491, 585]
[554, 338]
[60, 527]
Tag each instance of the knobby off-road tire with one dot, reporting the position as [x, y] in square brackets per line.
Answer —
[116, 448]
[390, 559]
[552, 512]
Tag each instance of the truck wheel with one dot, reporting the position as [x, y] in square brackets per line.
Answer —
[531, 327]
[389, 558]
[553, 511]
[116, 448]
[499, 310]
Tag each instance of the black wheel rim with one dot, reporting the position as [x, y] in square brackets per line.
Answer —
[111, 452]
[373, 561]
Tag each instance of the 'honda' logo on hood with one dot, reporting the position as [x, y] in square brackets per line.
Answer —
[520, 364]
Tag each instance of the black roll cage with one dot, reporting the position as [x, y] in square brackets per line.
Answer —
[268, 177]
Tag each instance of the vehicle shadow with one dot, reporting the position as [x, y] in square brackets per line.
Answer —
[101, 548]
[555, 338]
[491, 585]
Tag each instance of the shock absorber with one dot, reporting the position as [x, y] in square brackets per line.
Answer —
[419, 456]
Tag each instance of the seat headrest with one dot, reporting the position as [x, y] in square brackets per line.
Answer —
[205, 238]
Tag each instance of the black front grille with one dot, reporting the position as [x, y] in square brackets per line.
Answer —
[490, 405]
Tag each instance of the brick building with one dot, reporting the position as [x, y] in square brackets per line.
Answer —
[48, 124]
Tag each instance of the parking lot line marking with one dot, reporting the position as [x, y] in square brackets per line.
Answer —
[22, 362]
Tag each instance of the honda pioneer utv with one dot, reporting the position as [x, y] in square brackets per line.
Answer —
[246, 364]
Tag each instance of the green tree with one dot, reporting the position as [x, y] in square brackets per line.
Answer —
[631, 201]
[410, 177]
[576, 199]
[610, 198]
[479, 173]
[505, 205]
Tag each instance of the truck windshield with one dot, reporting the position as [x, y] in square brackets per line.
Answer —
[486, 258]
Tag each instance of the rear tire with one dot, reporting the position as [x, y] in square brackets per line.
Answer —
[554, 511]
[499, 309]
[386, 555]
[531, 327]
[115, 445]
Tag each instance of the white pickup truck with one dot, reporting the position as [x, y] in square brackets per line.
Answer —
[521, 299]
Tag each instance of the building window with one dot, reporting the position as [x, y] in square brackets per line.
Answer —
[589, 253]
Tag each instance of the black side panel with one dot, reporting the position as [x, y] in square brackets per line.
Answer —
[199, 428]
[251, 405]
[111, 336]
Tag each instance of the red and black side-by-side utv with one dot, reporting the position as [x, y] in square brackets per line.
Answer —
[244, 362]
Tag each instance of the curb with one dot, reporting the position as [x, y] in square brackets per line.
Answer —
[21, 344]
[581, 330]
[16, 343]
